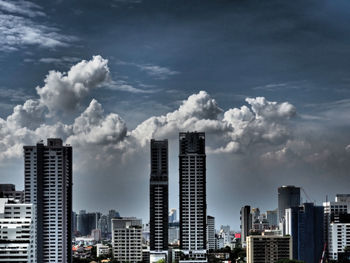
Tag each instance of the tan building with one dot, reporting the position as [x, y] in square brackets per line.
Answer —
[268, 249]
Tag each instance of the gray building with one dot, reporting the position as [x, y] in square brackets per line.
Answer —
[48, 185]
[246, 222]
[193, 204]
[211, 232]
[271, 216]
[288, 196]
[86, 222]
[127, 239]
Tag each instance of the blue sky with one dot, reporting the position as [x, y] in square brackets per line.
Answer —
[155, 58]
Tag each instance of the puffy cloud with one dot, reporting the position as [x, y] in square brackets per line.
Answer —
[199, 112]
[92, 127]
[29, 115]
[64, 92]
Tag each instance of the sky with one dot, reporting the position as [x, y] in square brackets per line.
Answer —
[267, 81]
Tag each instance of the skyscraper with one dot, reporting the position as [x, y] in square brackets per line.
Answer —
[288, 196]
[193, 205]
[246, 223]
[305, 225]
[48, 185]
[159, 200]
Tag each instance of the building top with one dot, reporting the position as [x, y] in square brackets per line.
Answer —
[126, 222]
[342, 198]
[192, 143]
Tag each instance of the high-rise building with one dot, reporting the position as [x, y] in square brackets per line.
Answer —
[211, 232]
[103, 226]
[9, 191]
[17, 232]
[288, 196]
[127, 239]
[172, 215]
[332, 211]
[271, 216]
[339, 232]
[246, 223]
[48, 185]
[268, 249]
[159, 200]
[193, 204]
[305, 225]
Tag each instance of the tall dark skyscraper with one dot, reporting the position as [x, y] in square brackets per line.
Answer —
[288, 196]
[193, 204]
[246, 222]
[159, 199]
[48, 185]
[306, 226]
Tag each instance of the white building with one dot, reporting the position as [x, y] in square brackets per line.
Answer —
[17, 232]
[336, 223]
[102, 250]
[193, 203]
[127, 239]
[48, 185]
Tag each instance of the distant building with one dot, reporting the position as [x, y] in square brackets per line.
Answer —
[268, 249]
[288, 196]
[246, 222]
[173, 215]
[111, 214]
[193, 204]
[103, 226]
[305, 225]
[86, 222]
[17, 232]
[174, 233]
[127, 239]
[159, 200]
[9, 191]
[271, 216]
[48, 185]
[211, 232]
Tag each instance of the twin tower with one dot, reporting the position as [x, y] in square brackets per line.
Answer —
[193, 204]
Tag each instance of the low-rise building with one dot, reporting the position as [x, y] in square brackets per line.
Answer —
[127, 239]
[17, 232]
[268, 249]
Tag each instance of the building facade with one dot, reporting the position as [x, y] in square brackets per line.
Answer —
[48, 185]
[305, 225]
[17, 232]
[193, 205]
[211, 232]
[334, 212]
[159, 202]
[9, 191]
[127, 239]
[246, 223]
[288, 196]
[268, 249]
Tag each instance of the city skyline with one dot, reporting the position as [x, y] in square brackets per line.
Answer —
[273, 101]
